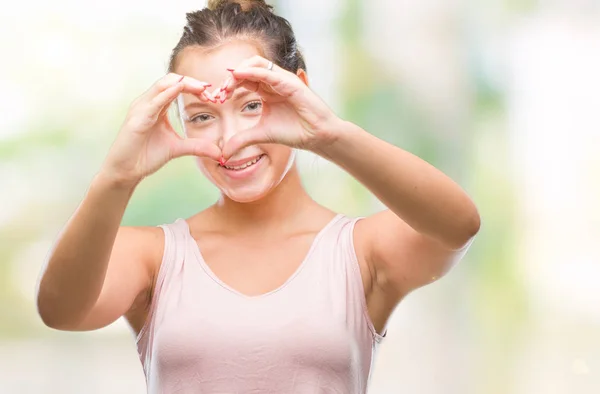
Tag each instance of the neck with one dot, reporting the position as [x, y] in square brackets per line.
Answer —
[276, 208]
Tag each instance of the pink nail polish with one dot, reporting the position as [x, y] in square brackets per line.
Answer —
[226, 84]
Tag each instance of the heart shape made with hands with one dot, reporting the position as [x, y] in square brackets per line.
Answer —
[291, 113]
[276, 115]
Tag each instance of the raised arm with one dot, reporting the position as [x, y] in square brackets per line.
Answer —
[430, 220]
[97, 270]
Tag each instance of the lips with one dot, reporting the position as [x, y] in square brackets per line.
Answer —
[240, 165]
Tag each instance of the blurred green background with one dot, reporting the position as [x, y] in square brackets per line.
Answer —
[502, 95]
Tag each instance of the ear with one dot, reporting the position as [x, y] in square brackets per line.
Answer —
[302, 75]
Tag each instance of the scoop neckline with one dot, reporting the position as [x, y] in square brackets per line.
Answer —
[215, 278]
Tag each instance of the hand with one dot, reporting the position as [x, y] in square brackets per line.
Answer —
[147, 140]
[292, 114]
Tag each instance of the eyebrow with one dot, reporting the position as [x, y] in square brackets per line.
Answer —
[240, 94]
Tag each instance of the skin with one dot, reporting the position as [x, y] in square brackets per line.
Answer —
[270, 218]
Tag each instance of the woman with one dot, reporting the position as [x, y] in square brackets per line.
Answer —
[266, 290]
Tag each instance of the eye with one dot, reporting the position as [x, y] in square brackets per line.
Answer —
[201, 118]
[254, 106]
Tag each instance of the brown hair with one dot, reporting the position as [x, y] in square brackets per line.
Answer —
[224, 20]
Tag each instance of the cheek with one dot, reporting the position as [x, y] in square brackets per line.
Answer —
[207, 167]
[282, 160]
[248, 120]
[209, 133]
[280, 156]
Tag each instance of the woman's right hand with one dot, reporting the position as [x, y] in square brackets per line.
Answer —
[147, 140]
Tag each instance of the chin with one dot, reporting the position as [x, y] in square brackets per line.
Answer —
[246, 195]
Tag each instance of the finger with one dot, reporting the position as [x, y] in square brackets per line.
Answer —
[239, 141]
[225, 88]
[228, 81]
[260, 62]
[258, 74]
[283, 83]
[255, 61]
[209, 96]
[194, 86]
[172, 78]
[160, 104]
[196, 147]
[231, 84]
[190, 85]
[240, 84]
[163, 84]
[183, 85]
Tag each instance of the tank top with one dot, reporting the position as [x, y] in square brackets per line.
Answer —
[311, 335]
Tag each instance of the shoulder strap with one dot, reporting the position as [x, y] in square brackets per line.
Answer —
[355, 288]
[172, 258]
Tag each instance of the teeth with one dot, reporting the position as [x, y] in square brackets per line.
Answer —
[241, 167]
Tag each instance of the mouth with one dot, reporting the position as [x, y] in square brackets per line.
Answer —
[243, 166]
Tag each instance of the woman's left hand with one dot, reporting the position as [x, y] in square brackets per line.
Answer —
[292, 114]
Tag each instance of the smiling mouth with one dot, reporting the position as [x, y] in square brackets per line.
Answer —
[243, 166]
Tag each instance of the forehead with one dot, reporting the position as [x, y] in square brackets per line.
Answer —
[210, 65]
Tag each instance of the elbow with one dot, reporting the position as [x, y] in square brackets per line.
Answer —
[53, 320]
[49, 321]
[465, 233]
[47, 317]
[47, 311]
[474, 224]
[471, 229]
[45, 302]
[51, 313]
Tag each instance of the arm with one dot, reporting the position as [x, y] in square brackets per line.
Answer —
[97, 270]
[430, 220]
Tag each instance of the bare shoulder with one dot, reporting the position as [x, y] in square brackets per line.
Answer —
[127, 288]
[145, 242]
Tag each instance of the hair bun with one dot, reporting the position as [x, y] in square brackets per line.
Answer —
[245, 4]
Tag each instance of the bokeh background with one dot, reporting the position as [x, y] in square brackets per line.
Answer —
[502, 95]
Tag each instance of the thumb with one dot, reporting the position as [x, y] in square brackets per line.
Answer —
[196, 147]
[242, 139]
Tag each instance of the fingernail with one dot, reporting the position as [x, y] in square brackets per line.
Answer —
[209, 97]
[226, 84]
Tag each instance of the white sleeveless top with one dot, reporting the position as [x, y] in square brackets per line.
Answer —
[311, 335]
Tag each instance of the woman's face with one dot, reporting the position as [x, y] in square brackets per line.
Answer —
[254, 171]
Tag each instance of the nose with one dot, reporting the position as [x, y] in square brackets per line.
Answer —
[229, 126]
